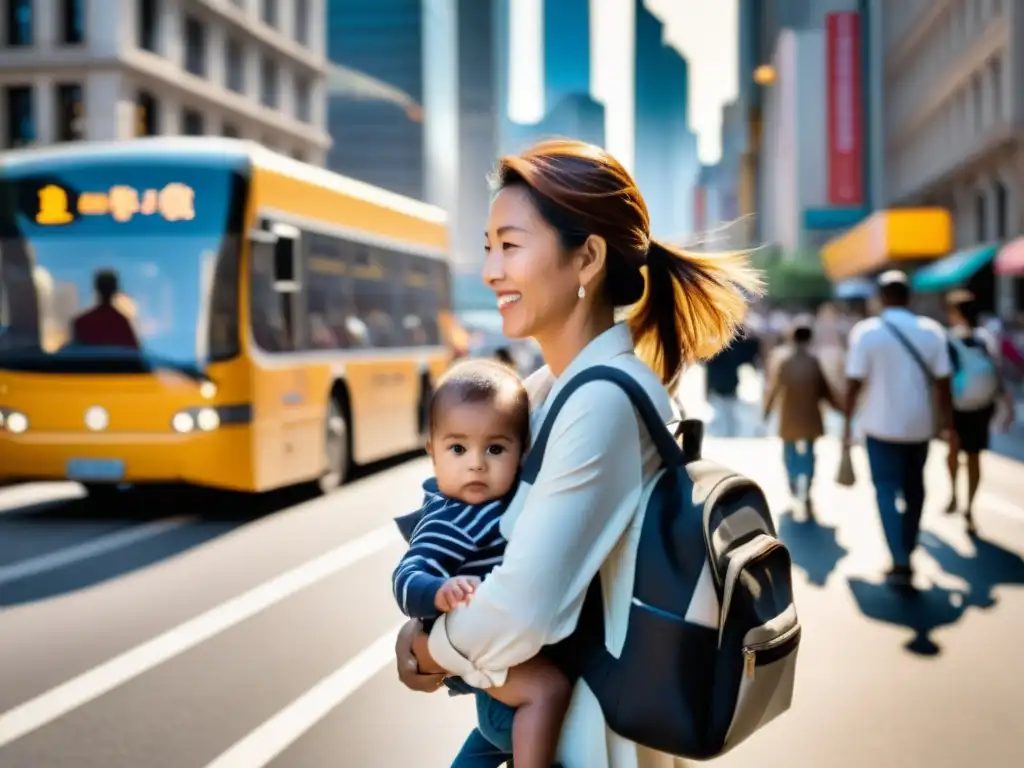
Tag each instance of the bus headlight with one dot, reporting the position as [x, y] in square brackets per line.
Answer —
[204, 419]
[183, 422]
[13, 421]
[207, 419]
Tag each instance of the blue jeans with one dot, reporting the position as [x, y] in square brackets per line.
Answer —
[490, 743]
[798, 456]
[897, 469]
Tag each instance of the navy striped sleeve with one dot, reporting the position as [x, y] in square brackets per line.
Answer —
[437, 550]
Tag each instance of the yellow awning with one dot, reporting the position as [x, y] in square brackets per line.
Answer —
[899, 234]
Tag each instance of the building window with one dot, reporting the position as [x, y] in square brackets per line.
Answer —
[19, 22]
[231, 131]
[270, 12]
[146, 16]
[147, 114]
[268, 82]
[70, 112]
[21, 119]
[192, 123]
[195, 46]
[302, 21]
[303, 105]
[72, 21]
[996, 74]
[235, 65]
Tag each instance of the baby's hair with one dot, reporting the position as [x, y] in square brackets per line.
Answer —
[482, 381]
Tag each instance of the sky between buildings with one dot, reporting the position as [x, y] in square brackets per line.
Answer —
[704, 30]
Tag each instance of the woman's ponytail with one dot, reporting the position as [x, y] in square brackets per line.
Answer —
[692, 307]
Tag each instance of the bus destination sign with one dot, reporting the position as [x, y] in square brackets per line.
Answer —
[175, 202]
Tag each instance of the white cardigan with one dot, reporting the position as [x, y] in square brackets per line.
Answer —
[579, 517]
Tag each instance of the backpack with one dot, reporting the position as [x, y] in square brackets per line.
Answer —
[975, 379]
[684, 686]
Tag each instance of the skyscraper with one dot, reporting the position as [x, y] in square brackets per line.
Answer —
[665, 155]
[479, 125]
[376, 141]
[569, 108]
[462, 109]
[566, 32]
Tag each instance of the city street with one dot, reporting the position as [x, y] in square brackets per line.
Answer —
[150, 638]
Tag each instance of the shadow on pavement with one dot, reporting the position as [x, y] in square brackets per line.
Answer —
[922, 611]
[814, 547]
[51, 548]
[990, 567]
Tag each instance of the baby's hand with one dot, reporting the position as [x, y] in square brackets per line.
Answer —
[455, 591]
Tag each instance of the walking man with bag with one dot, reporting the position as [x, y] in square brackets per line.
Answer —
[898, 364]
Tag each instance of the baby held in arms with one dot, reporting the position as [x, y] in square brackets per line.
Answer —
[479, 421]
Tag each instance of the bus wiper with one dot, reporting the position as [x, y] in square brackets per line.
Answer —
[190, 370]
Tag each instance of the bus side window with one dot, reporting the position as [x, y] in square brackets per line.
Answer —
[271, 328]
[327, 293]
[417, 300]
[224, 308]
[374, 292]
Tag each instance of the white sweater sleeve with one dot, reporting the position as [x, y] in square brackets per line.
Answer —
[583, 500]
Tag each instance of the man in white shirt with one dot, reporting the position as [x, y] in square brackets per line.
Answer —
[899, 362]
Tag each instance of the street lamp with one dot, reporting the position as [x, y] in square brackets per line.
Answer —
[765, 74]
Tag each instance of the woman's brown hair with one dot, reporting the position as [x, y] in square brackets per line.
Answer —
[687, 306]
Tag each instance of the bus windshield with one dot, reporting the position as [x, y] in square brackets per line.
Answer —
[110, 268]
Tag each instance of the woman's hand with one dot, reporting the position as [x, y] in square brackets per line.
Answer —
[408, 667]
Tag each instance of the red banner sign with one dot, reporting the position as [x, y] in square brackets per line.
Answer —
[845, 126]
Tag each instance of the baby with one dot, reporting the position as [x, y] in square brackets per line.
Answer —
[479, 423]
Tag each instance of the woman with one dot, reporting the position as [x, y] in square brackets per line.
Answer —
[567, 240]
[972, 426]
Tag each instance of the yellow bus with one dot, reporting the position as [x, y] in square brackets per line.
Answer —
[205, 311]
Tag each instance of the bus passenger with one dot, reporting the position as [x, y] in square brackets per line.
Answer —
[105, 325]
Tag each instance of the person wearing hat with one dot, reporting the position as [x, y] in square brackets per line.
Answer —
[898, 373]
[798, 386]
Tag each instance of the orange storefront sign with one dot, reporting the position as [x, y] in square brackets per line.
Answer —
[887, 238]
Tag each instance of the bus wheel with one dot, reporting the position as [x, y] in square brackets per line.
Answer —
[336, 448]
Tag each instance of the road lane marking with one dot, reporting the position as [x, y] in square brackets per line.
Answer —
[101, 679]
[87, 549]
[275, 735]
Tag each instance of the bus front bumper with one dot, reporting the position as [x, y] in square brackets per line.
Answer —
[220, 458]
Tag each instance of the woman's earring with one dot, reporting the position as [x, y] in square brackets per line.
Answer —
[581, 292]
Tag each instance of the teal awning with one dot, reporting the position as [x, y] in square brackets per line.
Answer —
[953, 270]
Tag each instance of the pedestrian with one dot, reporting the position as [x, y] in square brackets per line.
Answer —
[723, 382]
[977, 389]
[568, 245]
[799, 387]
[898, 381]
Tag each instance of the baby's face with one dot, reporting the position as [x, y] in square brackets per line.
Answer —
[476, 450]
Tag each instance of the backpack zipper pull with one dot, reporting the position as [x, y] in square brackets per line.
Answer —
[749, 663]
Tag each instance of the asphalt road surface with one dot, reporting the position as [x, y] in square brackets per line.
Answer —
[261, 635]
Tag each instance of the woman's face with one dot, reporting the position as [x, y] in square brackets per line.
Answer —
[535, 283]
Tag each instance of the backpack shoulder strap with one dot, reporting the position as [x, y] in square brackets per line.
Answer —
[928, 375]
[671, 453]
